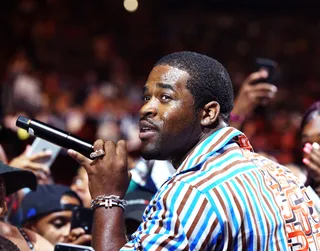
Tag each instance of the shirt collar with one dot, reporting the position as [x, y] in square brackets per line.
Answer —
[211, 145]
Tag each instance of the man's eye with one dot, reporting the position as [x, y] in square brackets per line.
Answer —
[146, 98]
[165, 97]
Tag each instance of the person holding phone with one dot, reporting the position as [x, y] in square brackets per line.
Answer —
[223, 195]
[254, 91]
[48, 212]
[33, 163]
[310, 143]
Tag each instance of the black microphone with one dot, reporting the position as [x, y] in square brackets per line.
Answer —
[56, 136]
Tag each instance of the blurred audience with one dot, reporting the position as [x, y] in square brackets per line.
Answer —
[11, 180]
[80, 186]
[310, 140]
[81, 71]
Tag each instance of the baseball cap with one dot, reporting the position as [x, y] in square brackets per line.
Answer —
[45, 200]
[137, 201]
[16, 179]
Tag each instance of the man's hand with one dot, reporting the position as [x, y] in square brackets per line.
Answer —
[251, 94]
[31, 163]
[108, 174]
[312, 160]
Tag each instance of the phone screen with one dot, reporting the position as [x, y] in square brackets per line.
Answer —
[40, 145]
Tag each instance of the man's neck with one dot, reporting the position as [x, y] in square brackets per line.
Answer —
[176, 162]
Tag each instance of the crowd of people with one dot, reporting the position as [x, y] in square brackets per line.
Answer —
[186, 173]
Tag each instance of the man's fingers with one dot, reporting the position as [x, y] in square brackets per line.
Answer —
[312, 166]
[265, 87]
[76, 232]
[253, 77]
[83, 239]
[98, 145]
[315, 159]
[121, 149]
[40, 155]
[38, 167]
[82, 160]
[259, 96]
[110, 148]
[78, 236]
[316, 149]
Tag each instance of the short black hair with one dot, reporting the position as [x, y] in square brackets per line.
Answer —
[315, 107]
[208, 81]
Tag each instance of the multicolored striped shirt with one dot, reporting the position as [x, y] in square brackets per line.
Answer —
[226, 197]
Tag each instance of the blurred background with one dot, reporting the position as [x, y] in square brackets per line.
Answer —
[80, 65]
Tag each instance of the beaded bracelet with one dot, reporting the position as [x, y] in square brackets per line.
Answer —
[108, 202]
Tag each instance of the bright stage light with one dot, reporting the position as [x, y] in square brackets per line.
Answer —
[130, 5]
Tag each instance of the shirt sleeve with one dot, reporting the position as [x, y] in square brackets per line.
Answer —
[179, 217]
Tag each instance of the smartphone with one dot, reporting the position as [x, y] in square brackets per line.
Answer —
[270, 66]
[82, 217]
[40, 145]
[71, 247]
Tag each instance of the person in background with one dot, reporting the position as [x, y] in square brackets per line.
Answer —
[136, 204]
[310, 142]
[28, 163]
[250, 95]
[80, 186]
[48, 211]
[33, 163]
[12, 180]
[223, 196]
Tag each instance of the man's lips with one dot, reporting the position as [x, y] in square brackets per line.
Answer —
[147, 129]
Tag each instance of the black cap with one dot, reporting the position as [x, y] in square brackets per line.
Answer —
[16, 179]
[45, 200]
[137, 201]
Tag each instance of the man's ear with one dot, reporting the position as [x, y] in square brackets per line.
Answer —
[210, 113]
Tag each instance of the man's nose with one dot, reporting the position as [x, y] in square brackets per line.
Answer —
[149, 109]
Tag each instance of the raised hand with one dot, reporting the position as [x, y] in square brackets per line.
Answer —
[78, 236]
[32, 163]
[312, 160]
[108, 174]
[250, 95]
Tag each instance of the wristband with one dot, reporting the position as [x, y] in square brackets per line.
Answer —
[108, 202]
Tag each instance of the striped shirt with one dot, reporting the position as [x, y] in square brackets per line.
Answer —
[226, 197]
